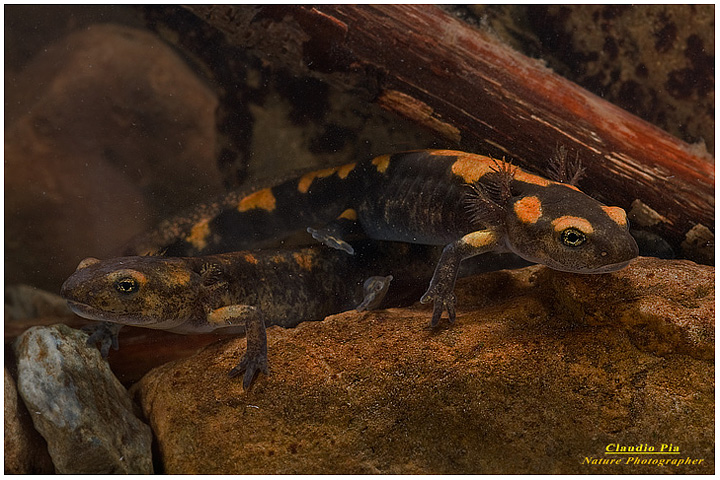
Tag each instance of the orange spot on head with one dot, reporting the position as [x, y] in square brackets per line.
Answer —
[263, 199]
[349, 214]
[616, 214]
[307, 179]
[567, 221]
[178, 277]
[199, 234]
[250, 258]
[528, 209]
[127, 272]
[381, 163]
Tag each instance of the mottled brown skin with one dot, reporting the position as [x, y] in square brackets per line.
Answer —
[469, 203]
[243, 292]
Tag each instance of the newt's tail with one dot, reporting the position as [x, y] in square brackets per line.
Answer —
[246, 219]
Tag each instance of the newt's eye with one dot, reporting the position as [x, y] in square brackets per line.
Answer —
[572, 237]
[127, 285]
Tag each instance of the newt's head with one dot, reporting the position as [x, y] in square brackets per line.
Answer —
[150, 292]
[561, 227]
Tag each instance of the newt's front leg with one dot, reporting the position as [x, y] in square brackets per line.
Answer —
[443, 281]
[255, 358]
[105, 334]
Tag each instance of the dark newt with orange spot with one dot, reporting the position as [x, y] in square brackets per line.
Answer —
[471, 204]
[243, 292]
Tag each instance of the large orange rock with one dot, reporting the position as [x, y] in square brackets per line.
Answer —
[541, 373]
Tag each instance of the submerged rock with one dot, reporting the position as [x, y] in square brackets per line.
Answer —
[107, 131]
[25, 302]
[25, 450]
[540, 373]
[78, 406]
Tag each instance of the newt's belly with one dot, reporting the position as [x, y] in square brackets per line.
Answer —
[416, 209]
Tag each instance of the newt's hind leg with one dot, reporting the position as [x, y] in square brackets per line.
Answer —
[374, 291]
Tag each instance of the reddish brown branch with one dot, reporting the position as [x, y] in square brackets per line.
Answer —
[482, 96]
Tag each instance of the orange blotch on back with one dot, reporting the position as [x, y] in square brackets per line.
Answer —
[468, 166]
[278, 258]
[523, 176]
[572, 187]
[381, 163]
[250, 258]
[345, 170]
[199, 234]
[305, 261]
[616, 214]
[472, 167]
[349, 214]
[528, 209]
[263, 199]
[307, 179]
[568, 221]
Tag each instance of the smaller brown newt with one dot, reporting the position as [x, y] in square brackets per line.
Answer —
[244, 292]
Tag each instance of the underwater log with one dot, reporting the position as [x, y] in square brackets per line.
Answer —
[480, 95]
